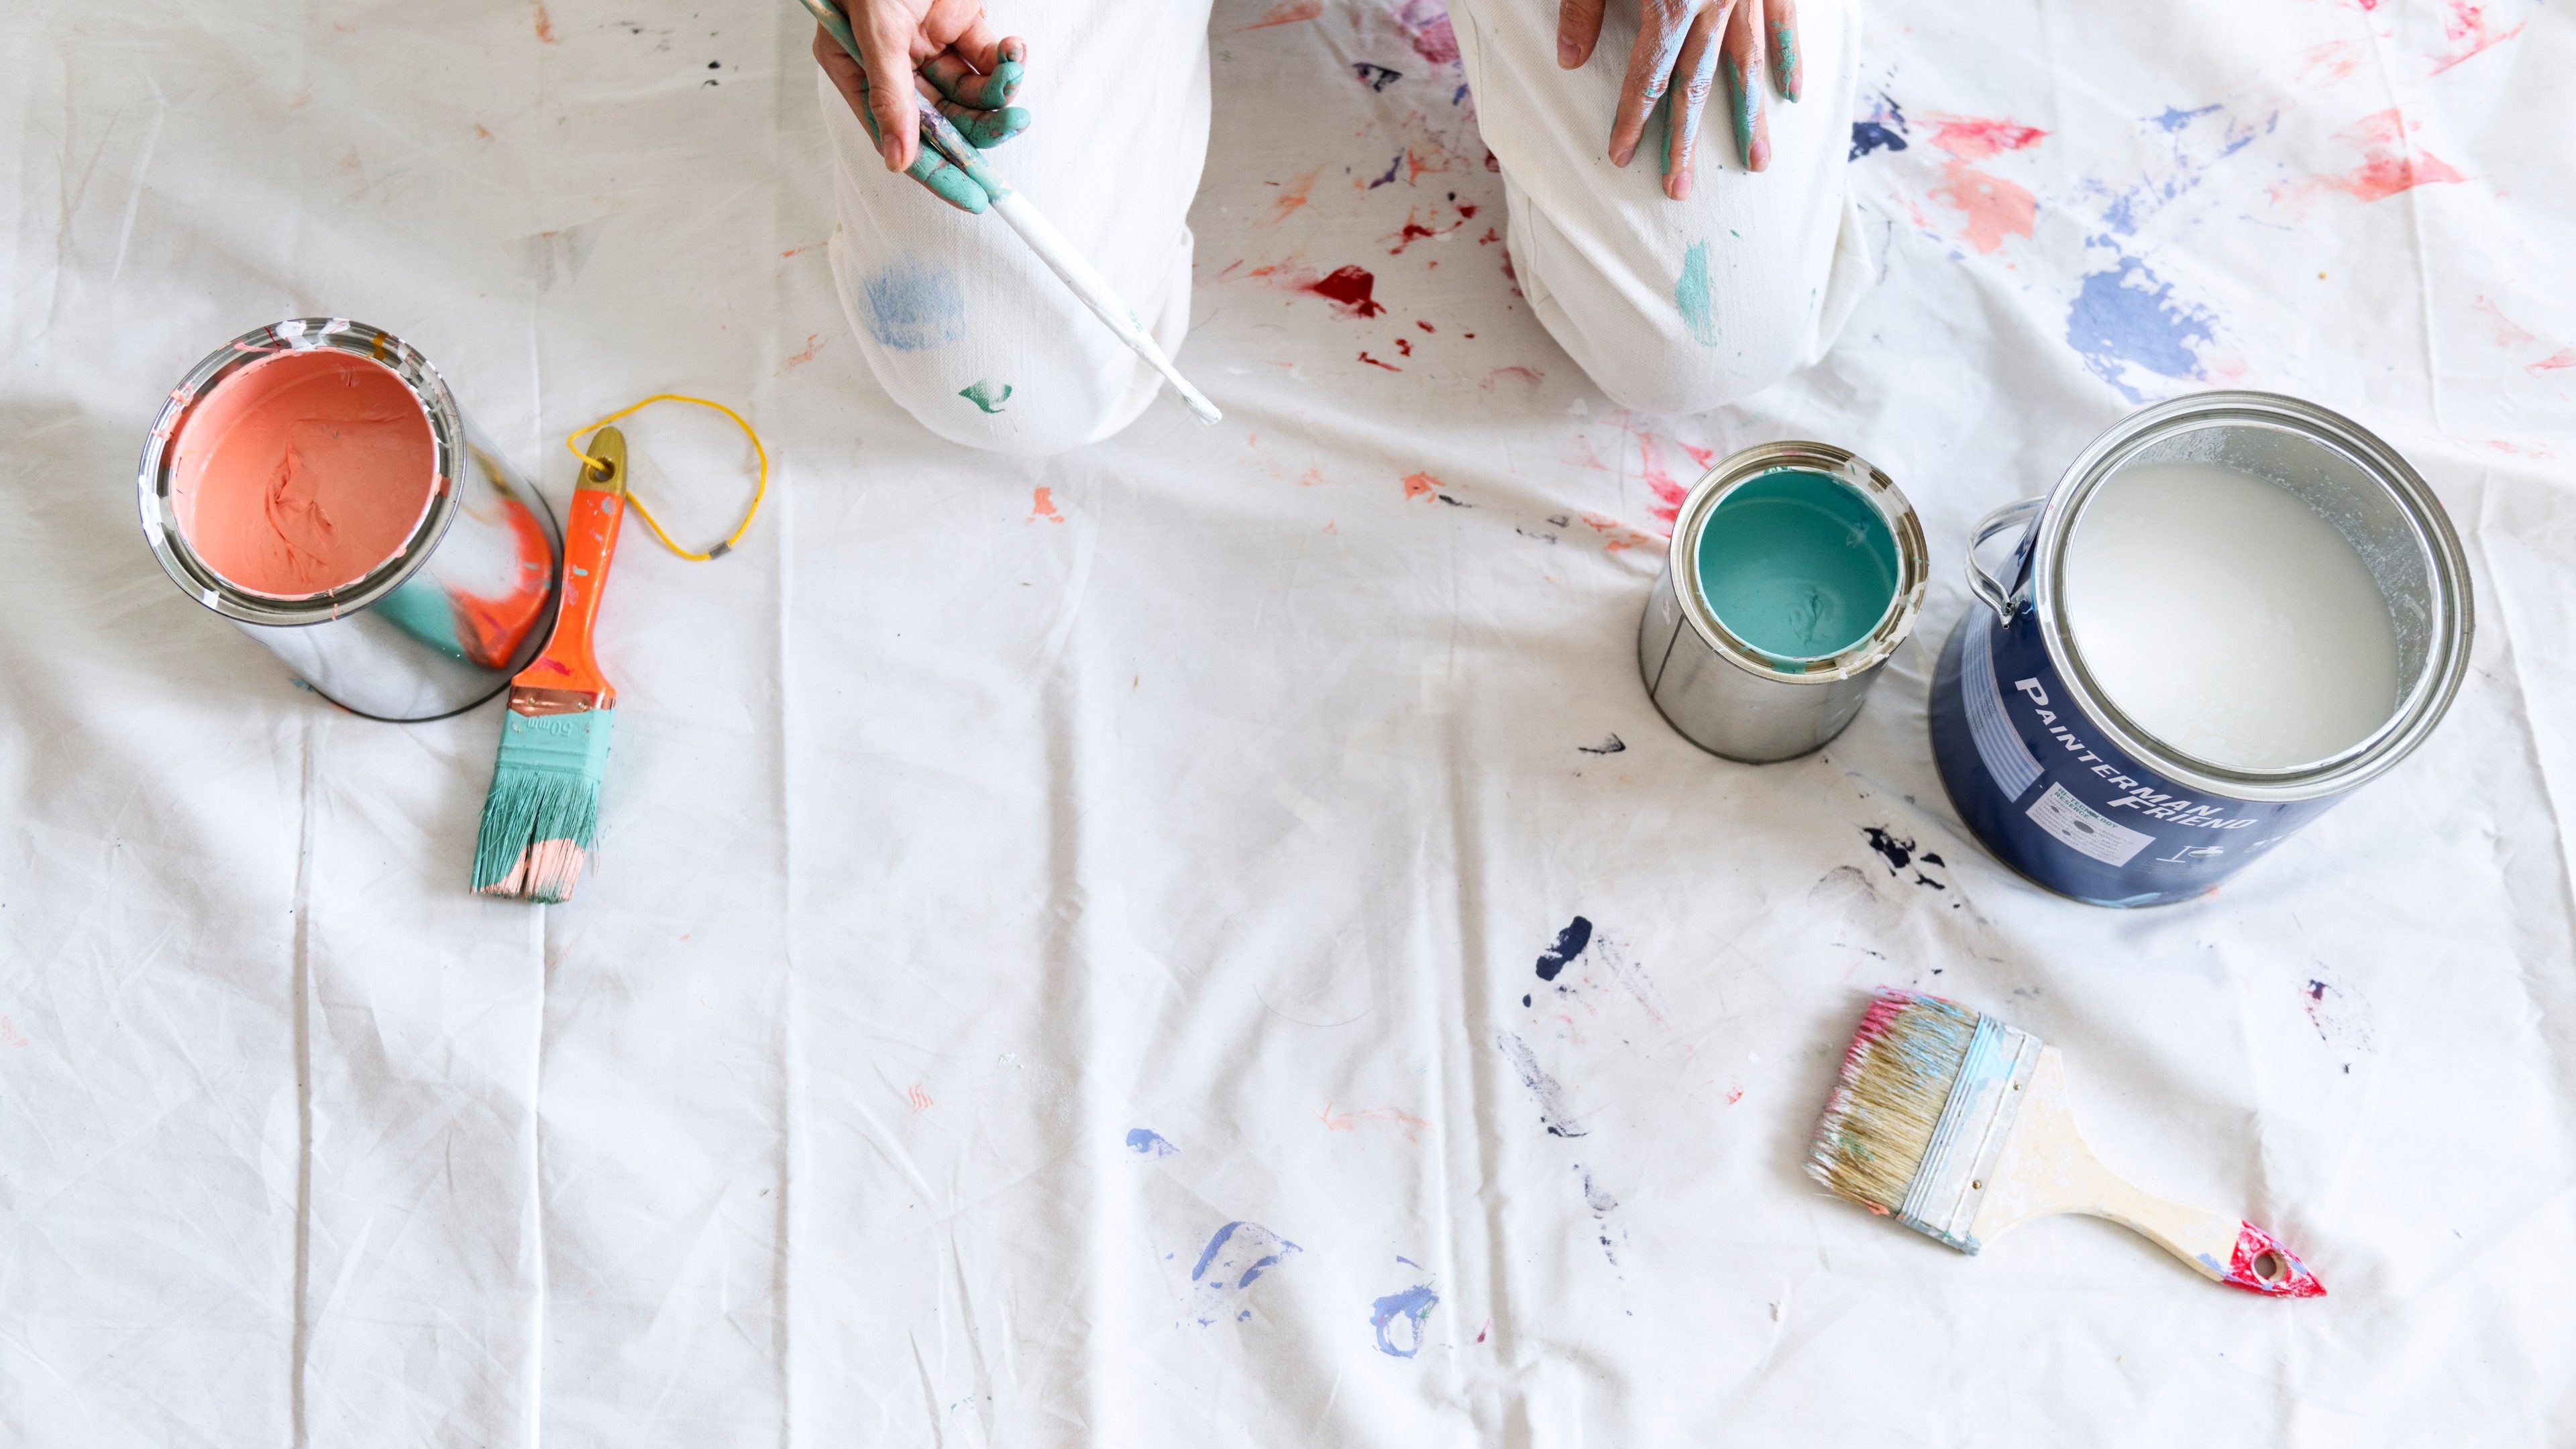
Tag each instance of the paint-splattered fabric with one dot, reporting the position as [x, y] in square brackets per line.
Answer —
[1203, 940]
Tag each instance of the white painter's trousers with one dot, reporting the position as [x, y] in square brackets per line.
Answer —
[1671, 307]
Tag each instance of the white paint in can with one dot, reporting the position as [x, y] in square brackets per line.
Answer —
[2228, 618]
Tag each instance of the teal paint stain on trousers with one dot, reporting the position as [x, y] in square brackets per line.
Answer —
[980, 393]
[1690, 296]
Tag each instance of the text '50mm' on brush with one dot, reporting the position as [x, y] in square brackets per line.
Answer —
[1062, 258]
[542, 816]
[1960, 1126]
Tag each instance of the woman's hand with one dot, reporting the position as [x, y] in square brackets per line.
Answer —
[950, 44]
[1691, 40]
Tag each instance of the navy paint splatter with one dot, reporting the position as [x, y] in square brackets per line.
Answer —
[1895, 850]
[1883, 131]
[1611, 746]
[915, 305]
[1410, 1307]
[1376, 77]
[1569, 944]
[1148, 1143]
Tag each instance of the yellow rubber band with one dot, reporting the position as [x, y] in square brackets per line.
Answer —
[572, 440]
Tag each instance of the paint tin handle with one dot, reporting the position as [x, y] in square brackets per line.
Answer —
[2006, 519]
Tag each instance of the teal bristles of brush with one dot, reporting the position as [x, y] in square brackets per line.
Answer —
[1960, 1127]
[542, 817]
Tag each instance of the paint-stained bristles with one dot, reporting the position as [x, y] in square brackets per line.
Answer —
[1879, 1121]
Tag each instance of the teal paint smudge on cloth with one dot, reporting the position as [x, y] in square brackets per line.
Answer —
[980, 393]
[1690, 296]
[914, 306]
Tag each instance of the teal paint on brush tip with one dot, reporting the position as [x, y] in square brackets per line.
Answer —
[542, 817]
[1797, 564]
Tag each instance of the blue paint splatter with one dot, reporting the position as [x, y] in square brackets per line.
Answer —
[1883, 130]
[1690, 296]
[1148, 1143]
[1376, 77]
[1392, 167]
[1234, 1259]
[914, 306]
[2174, 118]
[1410, 1306]
[1569, 944]
[2127, 317]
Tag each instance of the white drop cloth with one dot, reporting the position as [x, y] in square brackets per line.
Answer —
[1014, 874]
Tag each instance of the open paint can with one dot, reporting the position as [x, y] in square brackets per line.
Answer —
[2232, 611]
[313, 482]
[1796, 569]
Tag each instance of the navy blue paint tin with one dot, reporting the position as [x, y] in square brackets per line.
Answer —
[2067, 790]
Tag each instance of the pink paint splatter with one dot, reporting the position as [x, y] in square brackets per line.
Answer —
[1995, 208]
[1288, 12]
[2470, 34]
[2563, 357]
[1734, 1095]
[1666, 488]
[1977, 138]
[2507, 332]
[813, 344]
[1350, 1121]
[1526, 376]
[1292, 195]
[2323, 65]
[1422, 485]
[1042, 505]
[921, 1100]
[1426, 24]
[2390, 163]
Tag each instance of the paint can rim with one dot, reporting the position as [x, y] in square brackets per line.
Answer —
[2446, 574]
[1905, 529]
[153, 473]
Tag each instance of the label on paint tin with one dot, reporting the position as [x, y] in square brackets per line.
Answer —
[1998, 744]
[2086, 829]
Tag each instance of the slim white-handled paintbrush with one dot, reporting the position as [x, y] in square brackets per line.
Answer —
[1061, 257]
[1959, 1126]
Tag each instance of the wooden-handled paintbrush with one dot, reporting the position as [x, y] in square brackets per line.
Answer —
[1960, 1127]
[542, 816]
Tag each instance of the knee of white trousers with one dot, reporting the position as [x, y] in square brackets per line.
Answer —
[1666, 358]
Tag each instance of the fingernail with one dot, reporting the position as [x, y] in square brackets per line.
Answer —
[1761, 157]
[1681, 184]
[1624, 155]
[1568, 54]
[890, 146]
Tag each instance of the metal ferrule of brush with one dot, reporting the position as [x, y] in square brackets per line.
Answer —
[1942, 1199]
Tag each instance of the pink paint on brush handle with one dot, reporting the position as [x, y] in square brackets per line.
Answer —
[2261, 1265]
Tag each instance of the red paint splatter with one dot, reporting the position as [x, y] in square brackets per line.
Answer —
[1042, 505]
[813, 344]
[2390, 163]
[1651, 469]
[1421, 485]
[2290, 1279]
[1413, 232]
[1288, 12]
[921, 1100]
[1425, 326]
[1373, 362]
[1350, 288]
[1734, 1096]
[1426, 24]
[2563, 357]
[1404, 345]
[1466, 210]
[1704, 457]
[1490, 237]
[1481, 1332]
[1976, 138]
[2470, 34]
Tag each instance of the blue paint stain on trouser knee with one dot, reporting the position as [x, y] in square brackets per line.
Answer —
[914, 305]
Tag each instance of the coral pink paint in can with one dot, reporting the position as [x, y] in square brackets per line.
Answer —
[303, 473]
[314, 482]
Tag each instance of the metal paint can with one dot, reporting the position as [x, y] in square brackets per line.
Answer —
[2067, 790]
[1724, 693]
[440, 625]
